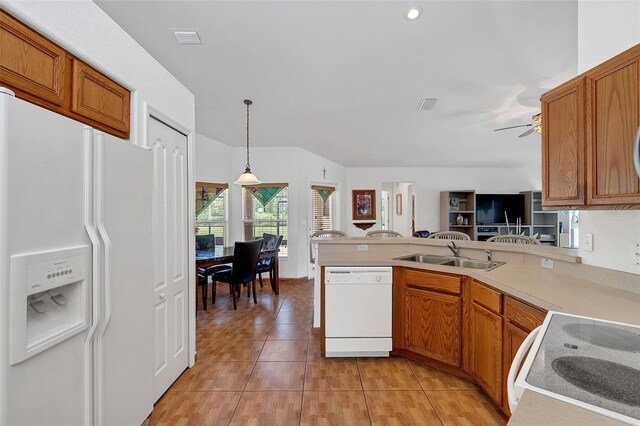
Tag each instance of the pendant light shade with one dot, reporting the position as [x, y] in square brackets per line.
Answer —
[247, 178]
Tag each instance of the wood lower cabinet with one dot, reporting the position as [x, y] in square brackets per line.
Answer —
[486, 350]
[613, 118]
[432, 325]
[460, 325]
[513, 338]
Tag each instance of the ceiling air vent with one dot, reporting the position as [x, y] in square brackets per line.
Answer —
[427, 104]
[187, 36]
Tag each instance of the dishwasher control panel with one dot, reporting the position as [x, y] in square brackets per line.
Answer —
[358, 275]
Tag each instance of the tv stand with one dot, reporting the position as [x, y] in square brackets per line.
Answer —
[537, 220]
[484, 232]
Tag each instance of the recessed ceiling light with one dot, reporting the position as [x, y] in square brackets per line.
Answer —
[413, 13]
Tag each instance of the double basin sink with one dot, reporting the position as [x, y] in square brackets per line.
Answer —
[461, 262]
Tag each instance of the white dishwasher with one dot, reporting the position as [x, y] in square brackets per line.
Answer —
[358, 311]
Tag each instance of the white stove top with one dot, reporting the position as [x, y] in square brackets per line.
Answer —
[587, 362]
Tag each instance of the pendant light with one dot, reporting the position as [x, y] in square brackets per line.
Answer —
[247, 178]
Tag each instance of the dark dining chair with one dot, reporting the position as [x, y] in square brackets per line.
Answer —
[243, 270]
[271, 242]
[203, 280]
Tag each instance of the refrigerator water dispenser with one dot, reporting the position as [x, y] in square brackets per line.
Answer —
[49, 299]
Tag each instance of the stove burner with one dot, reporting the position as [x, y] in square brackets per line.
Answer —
[605, 336]
[610, 380]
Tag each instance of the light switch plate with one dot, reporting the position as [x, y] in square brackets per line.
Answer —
[588, 242]
[363, 247]
[547, 263]
[635, 254]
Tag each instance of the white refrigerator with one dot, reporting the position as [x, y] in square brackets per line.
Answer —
[76, 268]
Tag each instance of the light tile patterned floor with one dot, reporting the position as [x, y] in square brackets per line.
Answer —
[261, 365]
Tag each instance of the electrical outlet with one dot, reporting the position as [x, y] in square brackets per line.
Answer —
[635, 254]
[547, 263]
[363, 247]
[588, 242]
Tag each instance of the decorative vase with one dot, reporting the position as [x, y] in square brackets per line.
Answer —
[459, 219]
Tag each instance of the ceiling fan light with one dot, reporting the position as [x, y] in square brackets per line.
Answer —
[537, 128]
[537, 118]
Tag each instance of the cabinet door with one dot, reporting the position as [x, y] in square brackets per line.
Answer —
[563, 145]
[100, 99]
[613, 117]
[29, 63]
[486, 350]
[513, 338]
[432, 325]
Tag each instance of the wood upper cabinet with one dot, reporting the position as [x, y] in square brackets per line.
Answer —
[613, 118]
[45, 74]
[29, 63]
[588, 129]
[99, 98]
[563, 145]
[433, 325]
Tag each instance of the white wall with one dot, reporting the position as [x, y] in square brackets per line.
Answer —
[216, 162]
[606, 28]
[429, 181]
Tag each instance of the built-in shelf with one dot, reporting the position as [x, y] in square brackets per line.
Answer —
[454, 203]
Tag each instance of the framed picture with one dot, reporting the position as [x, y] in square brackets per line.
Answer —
[454, 204]
[364, 204]
[399, 204]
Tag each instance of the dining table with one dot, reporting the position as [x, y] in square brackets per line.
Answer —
[221, 255]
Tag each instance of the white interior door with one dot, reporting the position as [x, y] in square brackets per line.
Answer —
[170, 238]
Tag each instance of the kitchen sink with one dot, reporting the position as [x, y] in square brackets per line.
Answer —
[425, 258]
[473, 264]
[461, 262]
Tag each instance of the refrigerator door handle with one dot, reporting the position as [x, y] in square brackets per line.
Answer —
[106, 271]
[96, 254]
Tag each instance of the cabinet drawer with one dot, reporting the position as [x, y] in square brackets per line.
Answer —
[429, 280]
[99, 98]
[489, 298]
[525, 316]
[29, 62]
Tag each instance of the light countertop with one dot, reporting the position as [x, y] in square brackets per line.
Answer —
[593, 294]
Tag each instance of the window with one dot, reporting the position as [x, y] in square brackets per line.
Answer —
[213, 219]
[265, 209]
[321, 206]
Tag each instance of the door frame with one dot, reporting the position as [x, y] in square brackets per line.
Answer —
[150, 112]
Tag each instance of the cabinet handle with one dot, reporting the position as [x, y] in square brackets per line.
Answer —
[636, 152]
[513, 371]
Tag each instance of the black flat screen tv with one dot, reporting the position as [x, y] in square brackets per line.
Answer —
[490, 208]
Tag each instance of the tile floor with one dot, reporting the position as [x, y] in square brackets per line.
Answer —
[261, 365]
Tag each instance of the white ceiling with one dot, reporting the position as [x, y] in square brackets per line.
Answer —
[344, 79]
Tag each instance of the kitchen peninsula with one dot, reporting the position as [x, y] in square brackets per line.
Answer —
[471, 322]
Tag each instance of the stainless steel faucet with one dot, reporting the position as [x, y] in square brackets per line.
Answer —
[454, 249]
[489, 256]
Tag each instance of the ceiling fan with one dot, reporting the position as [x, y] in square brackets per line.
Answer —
[536, 126]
